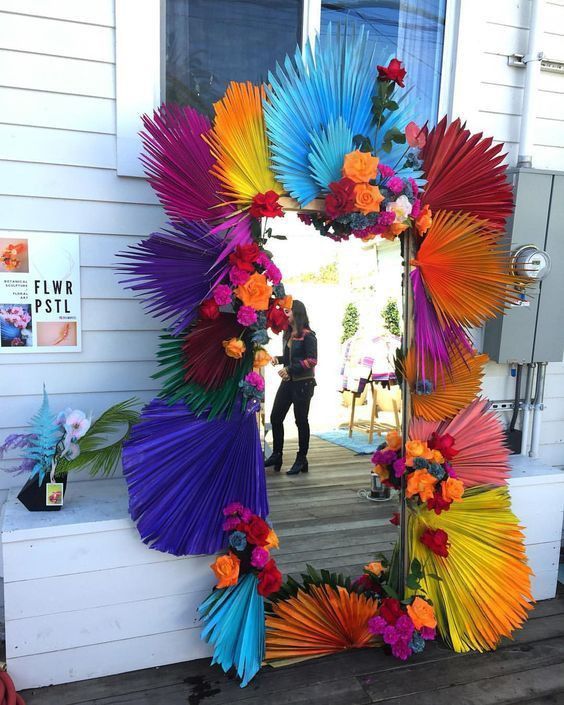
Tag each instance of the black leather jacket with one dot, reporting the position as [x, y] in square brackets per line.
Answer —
[300, 356]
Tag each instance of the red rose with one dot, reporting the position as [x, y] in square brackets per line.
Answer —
[257, 531]
[209, 309]
[390, 610]
[436, 540]
[244, 256]
[367, 584]
[444, 444]
[341, 199]
[276, 319]
[265, 205]
[269, 579]
[392, 72]
[438, 503]
[395, 520]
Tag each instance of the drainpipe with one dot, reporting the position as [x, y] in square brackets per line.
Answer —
[537, 410]
[527, 408]
[532, 61]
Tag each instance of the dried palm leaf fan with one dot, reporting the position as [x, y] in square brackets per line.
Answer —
[459, 385]
[318, 621]
[479, 438]
[484, 589]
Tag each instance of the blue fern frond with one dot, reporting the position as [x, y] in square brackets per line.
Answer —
[234, 625]
[46, 433]
[327, 150]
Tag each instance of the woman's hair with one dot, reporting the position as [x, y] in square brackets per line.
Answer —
[301, 320]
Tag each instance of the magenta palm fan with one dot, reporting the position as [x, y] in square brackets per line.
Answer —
[483, 458]
[177, 163]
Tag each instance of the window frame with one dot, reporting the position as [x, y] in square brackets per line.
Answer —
[140, 67]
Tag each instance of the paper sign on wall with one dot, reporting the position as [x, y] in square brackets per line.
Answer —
[40, 293]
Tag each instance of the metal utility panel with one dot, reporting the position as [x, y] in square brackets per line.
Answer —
[534, 332]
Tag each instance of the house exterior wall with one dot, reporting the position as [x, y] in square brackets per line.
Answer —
[58, 175]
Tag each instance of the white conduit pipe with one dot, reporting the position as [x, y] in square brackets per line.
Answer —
[537, 410]
[532, 62]
[527, 408]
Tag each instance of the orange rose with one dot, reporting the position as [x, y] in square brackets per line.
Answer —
[422, 483]
[382, 472]
[272, 540]
[375, 567]
[453, 490]
[226, 569]
[422, 614]
[369, 237]
[360, 167]
[393, 440]
[286, 302]
[437, 457]
[416, 449]
[262, 358]
[234, 348]
[424, 220]
[367, 198]
[255, 292]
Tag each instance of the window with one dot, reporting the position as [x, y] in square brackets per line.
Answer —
[412, 30]
[212, 42]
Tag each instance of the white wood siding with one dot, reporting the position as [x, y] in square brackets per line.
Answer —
[58, 175]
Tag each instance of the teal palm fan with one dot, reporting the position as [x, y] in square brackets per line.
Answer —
[325, 94]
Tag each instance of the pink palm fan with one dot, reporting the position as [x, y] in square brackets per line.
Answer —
[177, 162]
[483, 458]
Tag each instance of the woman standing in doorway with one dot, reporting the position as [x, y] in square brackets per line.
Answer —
[299, 359]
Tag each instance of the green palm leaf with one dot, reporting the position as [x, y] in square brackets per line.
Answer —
[97, 453]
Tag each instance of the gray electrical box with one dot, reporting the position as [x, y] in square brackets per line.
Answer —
[534, 331]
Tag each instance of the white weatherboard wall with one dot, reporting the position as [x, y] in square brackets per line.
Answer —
[488, 94]
[58, 175]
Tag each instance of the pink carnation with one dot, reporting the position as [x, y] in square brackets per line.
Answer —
[385, 170]
[399, 467]
[222, 295]
[256, 380]
[233, 508]
[405, 627]
[377, 625]
[231, 523]
[273, 273]
[263, 260]
[390, 635]
[414, 185]
[238, 276]
[428, 633]
[395, 184]
[386, 218]
[401, 650]
[246, 315]
[416, 208]
[246, 515]
[259, 557]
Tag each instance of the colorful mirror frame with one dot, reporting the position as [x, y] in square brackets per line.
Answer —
[329, 136]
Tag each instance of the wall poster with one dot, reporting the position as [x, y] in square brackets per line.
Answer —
[39, 293]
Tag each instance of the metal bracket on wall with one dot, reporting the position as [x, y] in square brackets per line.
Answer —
[519, 61]
[503, 405]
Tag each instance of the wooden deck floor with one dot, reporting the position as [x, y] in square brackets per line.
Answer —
[321, 520]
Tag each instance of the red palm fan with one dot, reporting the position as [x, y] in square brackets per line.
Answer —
[483, 458]
[464, 172]
[322, 620]
[206, 363]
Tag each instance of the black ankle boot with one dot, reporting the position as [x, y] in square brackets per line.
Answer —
[300, 465]
[275, 461]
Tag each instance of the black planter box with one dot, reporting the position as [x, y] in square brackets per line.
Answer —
[33, 495]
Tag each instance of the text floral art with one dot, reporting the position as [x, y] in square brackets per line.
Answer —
[355, 165]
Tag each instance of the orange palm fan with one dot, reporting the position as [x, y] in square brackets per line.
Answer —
[457, 387]
[322, 620]
[464, 172]
[239, 144]
[483, 457]
[466, 273]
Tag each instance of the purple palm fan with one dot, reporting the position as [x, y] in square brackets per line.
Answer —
[177, 162]
[433, 341]
[181, 470]
[174, 271]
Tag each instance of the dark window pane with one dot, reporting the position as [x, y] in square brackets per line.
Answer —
[412, 30]
[212, 42]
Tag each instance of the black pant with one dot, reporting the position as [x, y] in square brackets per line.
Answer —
[299, 394]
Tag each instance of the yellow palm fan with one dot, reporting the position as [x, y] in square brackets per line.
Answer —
[322, 620]
[484, 588]
[239, 144]
[466, 272]
[451, 393]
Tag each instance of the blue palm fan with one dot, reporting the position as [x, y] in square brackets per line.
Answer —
[235, 627]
